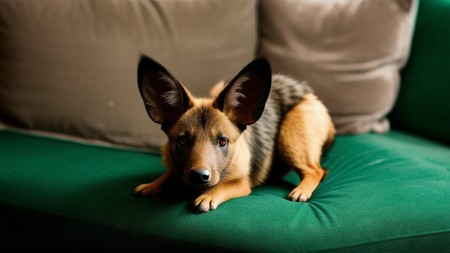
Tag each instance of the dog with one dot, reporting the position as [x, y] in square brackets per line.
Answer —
[255, 126]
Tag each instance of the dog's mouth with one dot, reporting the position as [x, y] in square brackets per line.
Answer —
[198, 186]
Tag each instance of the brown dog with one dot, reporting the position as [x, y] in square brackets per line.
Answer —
[227, 145]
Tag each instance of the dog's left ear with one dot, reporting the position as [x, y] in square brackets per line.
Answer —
[244, 98]
[165, 98]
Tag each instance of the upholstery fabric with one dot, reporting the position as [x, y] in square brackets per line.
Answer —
[423, 104]
[349, 51]
[69, 67]
[384, 192]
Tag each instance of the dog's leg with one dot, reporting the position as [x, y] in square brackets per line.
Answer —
[304, 130]
[222, 192]
[154, 188]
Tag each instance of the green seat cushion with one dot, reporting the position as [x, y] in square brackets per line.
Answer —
[384, 192]
[423, 104]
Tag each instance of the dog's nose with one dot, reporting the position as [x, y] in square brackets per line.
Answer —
[199, 176]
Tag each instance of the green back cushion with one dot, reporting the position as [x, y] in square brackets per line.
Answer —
[423, 104]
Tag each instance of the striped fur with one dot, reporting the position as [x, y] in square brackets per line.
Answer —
[262, 136]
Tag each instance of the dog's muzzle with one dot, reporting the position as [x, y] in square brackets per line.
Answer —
[199, 177]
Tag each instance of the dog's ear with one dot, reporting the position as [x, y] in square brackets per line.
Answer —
[165, 98]
[244, 98]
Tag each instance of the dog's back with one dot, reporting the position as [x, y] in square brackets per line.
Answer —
[262, 136]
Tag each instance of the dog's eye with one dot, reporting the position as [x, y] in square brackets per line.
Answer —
[182, 140]
[222, 142]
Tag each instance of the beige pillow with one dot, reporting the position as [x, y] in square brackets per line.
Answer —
[349, 51]
[70, 66]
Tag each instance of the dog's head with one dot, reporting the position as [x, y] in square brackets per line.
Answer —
[203, 133]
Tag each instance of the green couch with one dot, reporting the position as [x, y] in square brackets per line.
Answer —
[385, 192]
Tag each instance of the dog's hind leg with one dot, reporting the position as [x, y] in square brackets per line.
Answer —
[304, 131]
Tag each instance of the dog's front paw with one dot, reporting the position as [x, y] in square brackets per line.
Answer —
[300, 194]
[146, 190]
[205, 203]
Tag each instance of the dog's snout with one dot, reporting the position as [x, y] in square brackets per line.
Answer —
[199, 176]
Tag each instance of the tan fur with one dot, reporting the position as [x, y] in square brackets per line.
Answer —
[224, 191]
[235, 184]
[304, 131]
[231, 137]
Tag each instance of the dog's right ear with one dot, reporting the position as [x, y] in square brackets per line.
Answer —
[243, 99]
[165, 98]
